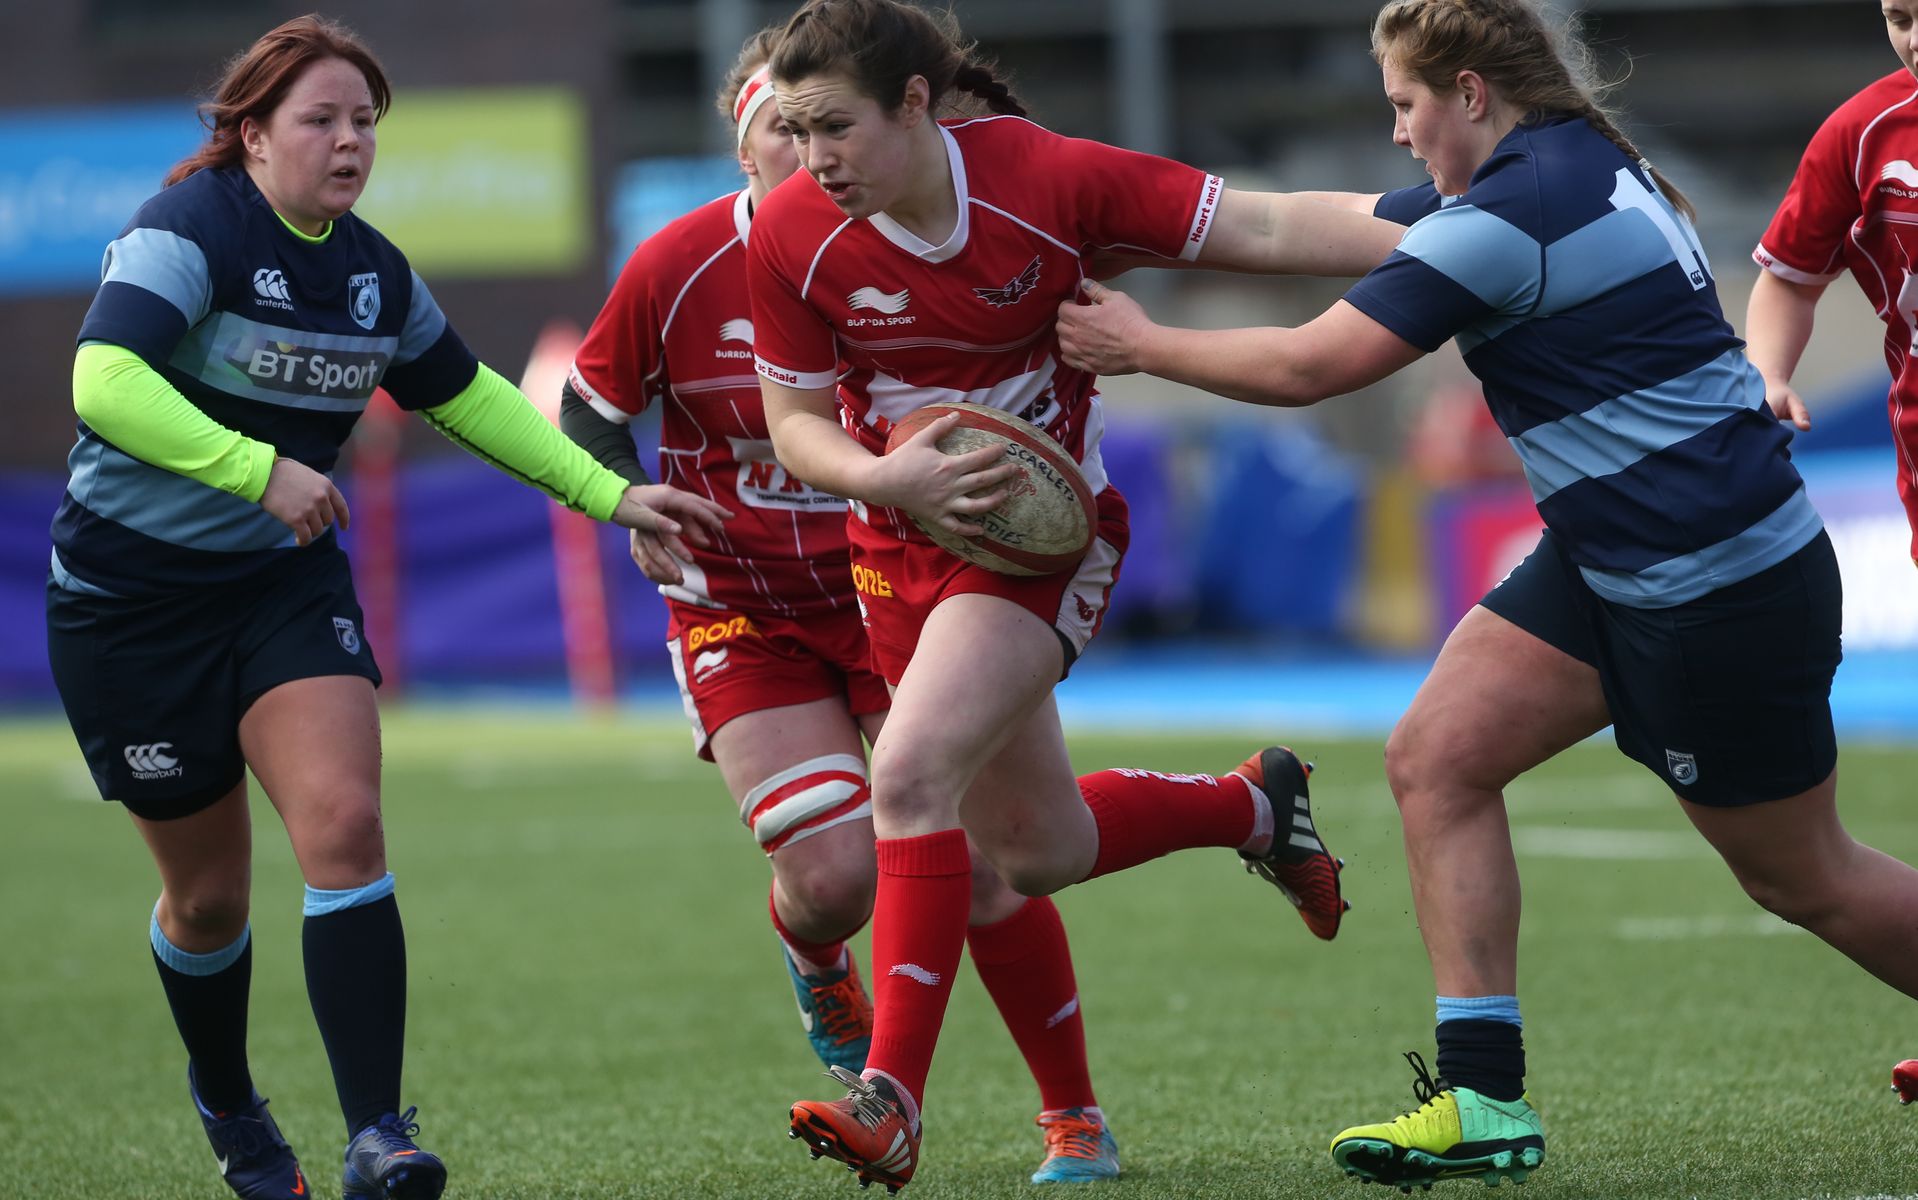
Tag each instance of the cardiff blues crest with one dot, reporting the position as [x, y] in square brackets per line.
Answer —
[363, 298]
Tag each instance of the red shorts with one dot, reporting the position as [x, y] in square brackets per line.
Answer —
[729, 664]
[900, 583]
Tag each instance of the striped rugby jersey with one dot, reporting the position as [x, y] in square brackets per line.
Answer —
[1584, 304]
[278, 337]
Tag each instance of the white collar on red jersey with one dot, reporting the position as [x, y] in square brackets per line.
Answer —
[743, 213]
[911, 242]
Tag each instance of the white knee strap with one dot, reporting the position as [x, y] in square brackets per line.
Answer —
[802, 800]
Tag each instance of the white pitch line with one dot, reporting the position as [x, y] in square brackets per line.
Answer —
[1553, 841]
[1673, 929]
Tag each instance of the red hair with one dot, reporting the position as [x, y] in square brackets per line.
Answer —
[258, 79]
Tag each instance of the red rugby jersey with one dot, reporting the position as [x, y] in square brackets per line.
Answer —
[1853, 205]
[900, 324]
[677, 329]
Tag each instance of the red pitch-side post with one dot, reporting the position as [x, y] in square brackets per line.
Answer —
[376, 533]
[585, 623]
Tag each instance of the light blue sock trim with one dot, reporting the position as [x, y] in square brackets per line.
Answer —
[1479, 1008]
[319, 903]
[196, 964]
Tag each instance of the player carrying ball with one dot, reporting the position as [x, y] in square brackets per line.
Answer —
[767, 645]
[918, 261]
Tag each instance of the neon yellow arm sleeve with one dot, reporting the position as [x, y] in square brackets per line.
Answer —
[493, 422]
[131, 405]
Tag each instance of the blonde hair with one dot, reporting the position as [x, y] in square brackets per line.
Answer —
[1534, 66]
[756, 53]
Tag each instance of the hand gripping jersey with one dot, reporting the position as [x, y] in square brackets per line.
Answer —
[1853, 205]
[279, 337]
[678, 329]
[899, 324]
[1581, 299]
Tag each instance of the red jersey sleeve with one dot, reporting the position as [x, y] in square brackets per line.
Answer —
[620, 368]
[792, 344]
[1132, 202]
[1805, 242]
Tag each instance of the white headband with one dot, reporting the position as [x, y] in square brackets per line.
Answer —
[757, 89]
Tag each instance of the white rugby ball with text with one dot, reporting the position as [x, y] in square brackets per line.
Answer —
[1047, 520]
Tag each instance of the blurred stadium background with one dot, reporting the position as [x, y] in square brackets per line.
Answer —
[1291, 572]
[530, 149]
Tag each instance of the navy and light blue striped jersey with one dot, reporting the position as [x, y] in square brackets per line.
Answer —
[280, 338]
[1582, 301]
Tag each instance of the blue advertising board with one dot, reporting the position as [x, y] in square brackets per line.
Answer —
[69, 180]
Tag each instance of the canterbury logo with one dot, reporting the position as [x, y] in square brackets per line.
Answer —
[271, 284]
[878, 301]
[1900, 172]
[1013, 292]
[152, 757]
[739, 329]
[897, 1155]
[917, 973]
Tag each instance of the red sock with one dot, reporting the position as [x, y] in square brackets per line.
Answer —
[822, 956]
[1026, 964]
[918, 931]
[1144, 814]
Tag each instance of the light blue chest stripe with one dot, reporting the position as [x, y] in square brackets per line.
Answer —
[1486, 255]
[1610, 437]
[164, 263]
[1764, 544]
[1606, 254]
[241, 356]
[167, 507]
[424, 323]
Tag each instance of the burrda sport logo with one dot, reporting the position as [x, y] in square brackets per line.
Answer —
[889, 303]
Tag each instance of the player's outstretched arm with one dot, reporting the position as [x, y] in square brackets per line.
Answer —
[1340, 351]
[491, 420]
[1279, 233]
[1778, 324]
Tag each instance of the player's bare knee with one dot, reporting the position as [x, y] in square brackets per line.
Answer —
[341, 837]
[1799, 896]
[826, 897]
[212, 910]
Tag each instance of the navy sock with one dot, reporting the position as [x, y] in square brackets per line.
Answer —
[1484, 1055]
[208, 996]
[355, 951]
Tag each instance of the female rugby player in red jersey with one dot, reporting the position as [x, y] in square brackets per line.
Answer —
[921, 263]
[767, 644]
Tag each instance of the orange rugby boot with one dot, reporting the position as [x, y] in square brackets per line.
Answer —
[1298, 863]
[866, 1131]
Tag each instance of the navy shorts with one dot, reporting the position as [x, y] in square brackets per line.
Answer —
[1727, 698]
[155, 688]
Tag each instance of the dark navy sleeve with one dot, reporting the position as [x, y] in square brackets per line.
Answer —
[1407, 205]
[432, 364]
[158, 278]
[1454, 269]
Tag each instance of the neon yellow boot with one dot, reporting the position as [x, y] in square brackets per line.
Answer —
[1455, 1133]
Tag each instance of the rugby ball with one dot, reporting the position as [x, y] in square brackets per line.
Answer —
[1047, 520]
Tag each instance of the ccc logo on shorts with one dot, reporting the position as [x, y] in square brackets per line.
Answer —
[151, 761]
